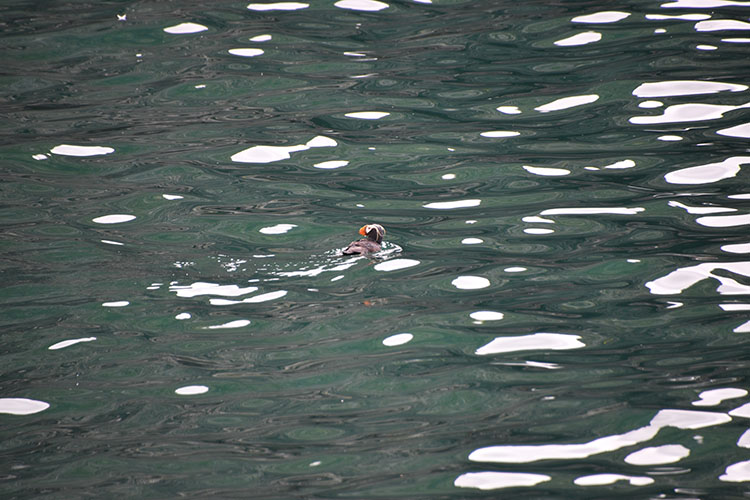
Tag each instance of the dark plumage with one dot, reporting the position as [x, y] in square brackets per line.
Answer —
[374, 237]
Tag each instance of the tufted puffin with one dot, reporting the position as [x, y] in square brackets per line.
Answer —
[374, 237]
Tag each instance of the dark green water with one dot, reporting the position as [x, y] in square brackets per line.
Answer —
[600, 214]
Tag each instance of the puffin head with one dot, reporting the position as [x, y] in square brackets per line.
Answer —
[374, 232]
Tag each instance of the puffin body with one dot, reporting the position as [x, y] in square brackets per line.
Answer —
[374, 237]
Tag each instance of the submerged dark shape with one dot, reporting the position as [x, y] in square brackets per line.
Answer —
[374, 237]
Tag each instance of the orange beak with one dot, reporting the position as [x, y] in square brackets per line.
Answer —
[362, 231]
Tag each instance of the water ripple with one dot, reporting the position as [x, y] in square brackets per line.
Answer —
[178, 186]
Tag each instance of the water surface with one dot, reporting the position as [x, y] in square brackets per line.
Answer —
[560, 309]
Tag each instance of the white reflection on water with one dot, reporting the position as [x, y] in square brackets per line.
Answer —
[231, 265]
[70, 150]
[593, 211]
[672, 88]
[700, 210]
[500, 133]
[22, 406]
[680, 17]
[185, 28]
[687, 113]
[269, 154]
[496, 480]
[658, 455]
[190, 390]
[737, 473]
[363, 5]
[117, 303]
[724, 220]
[741, 411]
[714, 397]
[67, 343]
[680, 279]
[735, 307]
[721, 24]
[650, 104]
[277, 229]
[744, 440]
[579, 39]
[619, 165]
[604, 479]
[736, 248]
[546, 171]
[246, 52]
[398, 339]
[367, 115]
[264, 297]
[332, 164]
[567, 102]
[534, 364]
[395, 264]
[509, 110]
[449, 205]
[470, 282]
[278, 6]
[114, 219]
[323, 268]
[533, 342]
[261, 38]
[203, 288]
[239, 323]
[704, 4]
[681, 419]
[708, 173]
[486, 315]
[534, 219]
[741, 131]
[609, 16]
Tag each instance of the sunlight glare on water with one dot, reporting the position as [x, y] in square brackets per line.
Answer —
[558, 308]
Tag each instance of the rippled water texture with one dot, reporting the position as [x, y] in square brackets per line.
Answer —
[561, 307]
